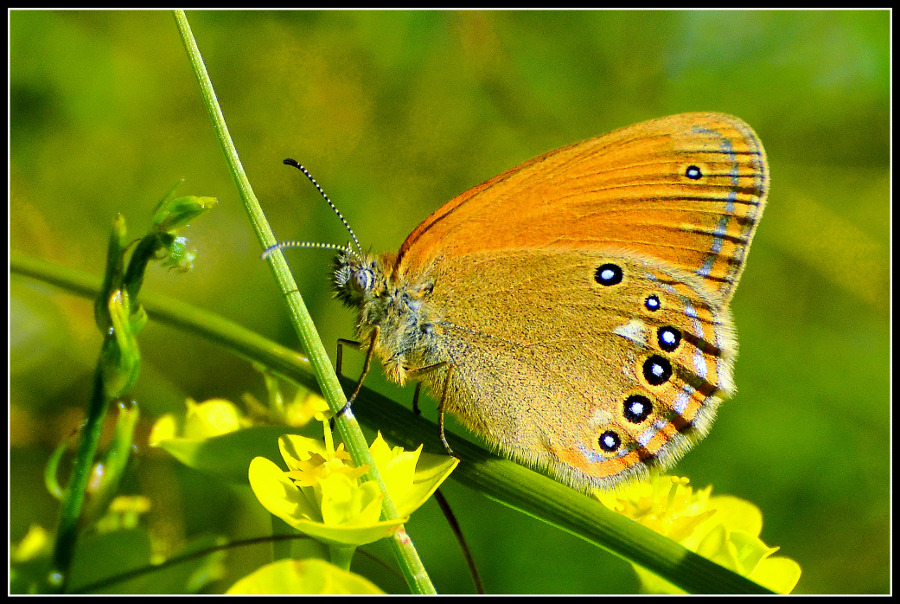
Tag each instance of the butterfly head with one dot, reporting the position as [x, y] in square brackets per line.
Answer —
[358, 278]
[364, 282]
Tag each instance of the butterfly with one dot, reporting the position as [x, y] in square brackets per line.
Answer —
[574, 311]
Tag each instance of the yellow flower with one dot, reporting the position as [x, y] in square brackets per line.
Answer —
[309, 576]
[203, 420]
[297, 412]
[304, 408]
[321, 494]
[124, 512]
[37, 543]
[723, 529]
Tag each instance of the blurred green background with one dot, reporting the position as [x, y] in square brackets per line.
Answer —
[395, 113]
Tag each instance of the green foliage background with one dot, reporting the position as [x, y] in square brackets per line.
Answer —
[395, 113]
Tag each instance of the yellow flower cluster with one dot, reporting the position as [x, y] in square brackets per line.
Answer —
[723, 529]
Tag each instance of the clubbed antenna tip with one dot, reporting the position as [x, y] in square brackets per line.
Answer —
[296, 164]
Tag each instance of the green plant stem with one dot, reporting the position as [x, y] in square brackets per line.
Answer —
[341, 555]
[73, 500]
[351, 434]
[499, 479]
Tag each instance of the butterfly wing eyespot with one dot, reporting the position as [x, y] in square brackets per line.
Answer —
[657, 370]
[693, 172]
[608, 274]
[668, 338]
[637, 408]
[609, 441]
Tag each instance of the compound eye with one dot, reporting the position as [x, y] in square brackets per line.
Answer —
[363, 279]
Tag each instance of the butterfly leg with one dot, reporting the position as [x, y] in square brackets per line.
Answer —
[439, 497]
[412, 374]
[366, 365]
[339, 361]
[416, 409]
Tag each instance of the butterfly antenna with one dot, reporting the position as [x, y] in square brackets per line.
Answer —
[281, 245]
[296, 164]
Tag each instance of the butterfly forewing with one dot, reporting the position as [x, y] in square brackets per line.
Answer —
[687, 189]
